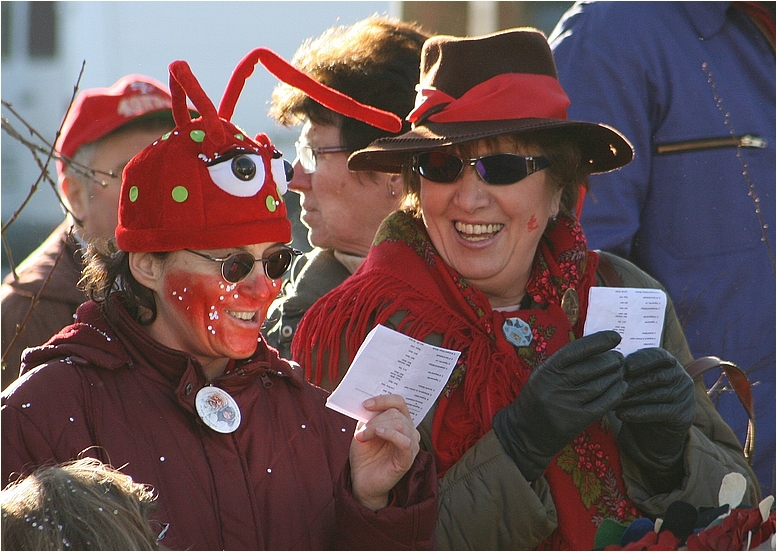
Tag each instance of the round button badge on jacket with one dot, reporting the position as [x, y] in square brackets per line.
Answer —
[217, 409]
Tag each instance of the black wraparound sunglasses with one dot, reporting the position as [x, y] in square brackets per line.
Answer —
[497, 168]
[237, 266]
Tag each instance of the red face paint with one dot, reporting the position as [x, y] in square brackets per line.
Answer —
[210, 318]
[532, 225]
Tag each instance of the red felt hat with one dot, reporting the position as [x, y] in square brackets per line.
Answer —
[206, 184]
[97, 112]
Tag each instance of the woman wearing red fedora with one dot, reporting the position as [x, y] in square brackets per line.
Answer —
[165, 372]
[541, 433]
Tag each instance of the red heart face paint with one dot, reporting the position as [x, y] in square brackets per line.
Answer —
[210, 318]
[532, 225]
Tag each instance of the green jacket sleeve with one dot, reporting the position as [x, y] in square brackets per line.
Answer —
[712, 450]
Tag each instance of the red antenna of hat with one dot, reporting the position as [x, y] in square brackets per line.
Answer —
[326, 96]
[183, 83]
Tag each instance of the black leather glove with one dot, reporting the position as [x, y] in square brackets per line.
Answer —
[564, 395]
[656, 412]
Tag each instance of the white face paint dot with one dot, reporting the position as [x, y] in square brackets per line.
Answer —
[221, 298]
[161, 458]
[269, 470]
[26, 405]
[72, 419]
[343, 430]
[304, 426]
[236, 296]
[180, 298]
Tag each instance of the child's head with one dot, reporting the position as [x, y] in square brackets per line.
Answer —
[79, 505]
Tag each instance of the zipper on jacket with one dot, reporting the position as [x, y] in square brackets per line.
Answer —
[746, 141]
[266, 381]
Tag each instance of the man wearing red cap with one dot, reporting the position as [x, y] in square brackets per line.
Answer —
[103, 130]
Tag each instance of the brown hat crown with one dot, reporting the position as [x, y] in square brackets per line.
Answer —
[455, 65]
[480, 87]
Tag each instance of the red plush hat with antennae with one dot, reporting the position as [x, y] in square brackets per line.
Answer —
[206, 185]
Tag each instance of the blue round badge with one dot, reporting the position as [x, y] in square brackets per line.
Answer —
[517, 332]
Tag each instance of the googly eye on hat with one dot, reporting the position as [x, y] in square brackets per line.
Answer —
[207, 184]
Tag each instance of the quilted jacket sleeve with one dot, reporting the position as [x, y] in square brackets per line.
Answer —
[32, 432]
[485, 503]
[408, 523]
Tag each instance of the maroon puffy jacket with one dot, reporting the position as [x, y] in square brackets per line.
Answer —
[280, 481]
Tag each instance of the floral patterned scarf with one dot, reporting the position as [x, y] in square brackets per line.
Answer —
[404, 274]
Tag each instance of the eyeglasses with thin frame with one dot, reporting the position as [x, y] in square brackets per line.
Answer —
[497, 168]
[238, 266]
[306, 155]
[160, 528]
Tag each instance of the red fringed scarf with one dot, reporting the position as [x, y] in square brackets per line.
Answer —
[404, 274]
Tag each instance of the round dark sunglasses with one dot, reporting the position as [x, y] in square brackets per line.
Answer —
[498, 168]
[237, 266]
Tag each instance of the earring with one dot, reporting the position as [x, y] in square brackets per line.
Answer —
[393, 192]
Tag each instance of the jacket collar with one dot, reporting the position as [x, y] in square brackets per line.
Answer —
[115, 340]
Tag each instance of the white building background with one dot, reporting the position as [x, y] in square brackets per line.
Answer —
[45, 43]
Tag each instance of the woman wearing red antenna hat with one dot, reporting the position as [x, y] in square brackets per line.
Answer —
[166, 375]
[542, 432]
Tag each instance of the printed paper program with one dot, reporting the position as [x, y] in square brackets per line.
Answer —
[637, 314]
[391, 362]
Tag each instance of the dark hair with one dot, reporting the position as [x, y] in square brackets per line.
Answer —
[376, 61]
[78, 505]
[566, 172]
[107, 272]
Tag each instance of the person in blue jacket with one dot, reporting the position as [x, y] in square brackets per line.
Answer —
[692, 86]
